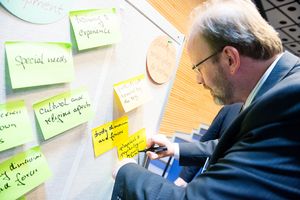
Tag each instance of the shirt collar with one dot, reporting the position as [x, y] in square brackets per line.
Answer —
[261, 82]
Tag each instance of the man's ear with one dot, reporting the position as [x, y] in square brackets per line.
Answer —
[232, 57]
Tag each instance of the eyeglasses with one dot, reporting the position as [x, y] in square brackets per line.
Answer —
[196, 67]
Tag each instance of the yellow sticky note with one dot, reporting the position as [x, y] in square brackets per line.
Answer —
[62, 112]
[133, 145]
[39, 63]
[106, 137]
[15, 128]
[94, 28]
[22, 173]
[132, 92]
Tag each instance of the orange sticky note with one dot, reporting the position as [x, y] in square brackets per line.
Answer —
[132, 92]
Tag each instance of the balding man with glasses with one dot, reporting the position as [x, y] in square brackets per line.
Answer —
[239, 57]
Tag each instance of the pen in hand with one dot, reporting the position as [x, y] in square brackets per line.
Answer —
[156, 149]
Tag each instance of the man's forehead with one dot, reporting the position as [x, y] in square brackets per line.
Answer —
[197, 44]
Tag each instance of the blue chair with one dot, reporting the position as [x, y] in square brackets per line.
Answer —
[173, 170]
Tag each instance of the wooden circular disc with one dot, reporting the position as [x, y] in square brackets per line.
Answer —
[161, 59]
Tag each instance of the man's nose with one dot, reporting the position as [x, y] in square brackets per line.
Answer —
[200, 78]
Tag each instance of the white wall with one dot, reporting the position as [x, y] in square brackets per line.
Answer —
[77, 174]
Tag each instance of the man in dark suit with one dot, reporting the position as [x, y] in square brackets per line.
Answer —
[218, 126]
[238, 57]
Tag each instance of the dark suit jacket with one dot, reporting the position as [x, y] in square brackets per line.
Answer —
[256, 158]
[218, 126]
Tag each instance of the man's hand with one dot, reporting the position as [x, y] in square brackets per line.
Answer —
[160, 140]
[121, 164]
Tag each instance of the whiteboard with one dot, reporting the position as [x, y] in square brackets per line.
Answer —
[77, 174]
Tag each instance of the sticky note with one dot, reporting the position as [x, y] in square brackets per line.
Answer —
[106, 137]
[15, 128]
[62, 112]
[133, 145]
[132, 93]
[39, 63]
[96, 27]
[22, 173]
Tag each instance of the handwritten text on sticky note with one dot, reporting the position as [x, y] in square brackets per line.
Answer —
[132, 93]
[94, 28]
[15, 128]
[62, 112]
[39, 63]
[22, 173]
[106, 137]
[133, 145]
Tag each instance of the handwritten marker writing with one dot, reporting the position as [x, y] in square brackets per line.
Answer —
[155, 149]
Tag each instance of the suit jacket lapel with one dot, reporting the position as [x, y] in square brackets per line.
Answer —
[282, 68]
[285, 64]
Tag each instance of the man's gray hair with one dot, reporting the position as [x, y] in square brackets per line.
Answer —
[235, 23]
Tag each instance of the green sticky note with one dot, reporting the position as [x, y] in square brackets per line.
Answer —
[62, 112]
[22, 198]
[15, 128]
[39, 63]
[94, 28]
[22, 173]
